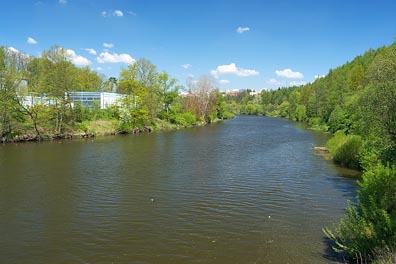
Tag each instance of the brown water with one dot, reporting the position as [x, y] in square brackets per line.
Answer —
[249, 190]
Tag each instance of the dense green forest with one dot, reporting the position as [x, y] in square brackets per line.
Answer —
[151, 98]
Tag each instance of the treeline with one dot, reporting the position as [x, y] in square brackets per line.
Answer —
[356, 102]
[357, 98]
[151, 98]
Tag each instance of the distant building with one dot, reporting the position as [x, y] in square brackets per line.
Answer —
[87, 99]
[254, 93]
[184, 94]
[30, 100]
[234, 92]
[92, 99]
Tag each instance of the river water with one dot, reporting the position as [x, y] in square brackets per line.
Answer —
[248, 190]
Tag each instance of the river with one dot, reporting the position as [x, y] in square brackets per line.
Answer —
[247, 190]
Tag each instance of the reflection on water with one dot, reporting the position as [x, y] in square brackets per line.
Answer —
[249, 190]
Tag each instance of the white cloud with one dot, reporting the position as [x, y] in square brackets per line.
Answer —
[274, 81]
[186, 66]
[99, 69]
[240, 30]
[77, 59]
[319, 76]
[108, 45]
[104, 14]
[114, 58]
[12, 49]
[190, 75]
[224, 81]
[31, 40]
[63, 2]
[233, 69]
[91, 51]
[288, 73]
[118, 13]
[132, 13]
[297, 83]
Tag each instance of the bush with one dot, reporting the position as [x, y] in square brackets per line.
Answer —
[228, 115]
[185, 119]
[336, 142]
[369, 227]
[345, 149]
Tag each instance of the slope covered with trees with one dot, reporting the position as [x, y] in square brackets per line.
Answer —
[357, 102]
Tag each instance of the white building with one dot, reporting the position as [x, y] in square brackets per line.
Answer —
[87, 99]
[92, 99]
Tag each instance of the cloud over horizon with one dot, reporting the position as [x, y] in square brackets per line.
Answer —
[77, 59]
[233, 69]
[91, 51]
[115, 58]
[288, 73]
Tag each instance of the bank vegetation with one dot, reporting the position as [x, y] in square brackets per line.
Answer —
[151, 99]
[357, 103]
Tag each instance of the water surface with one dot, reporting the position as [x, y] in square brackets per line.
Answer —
[248, 190]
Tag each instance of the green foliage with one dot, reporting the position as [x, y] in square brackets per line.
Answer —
[378, 110]
[300, 113]
[345, 149]
[131, 113]
[251, 109]
[284, 109]
[228, 115]
[369, 226]
[336, 142]
[339, 120]
[186, 119]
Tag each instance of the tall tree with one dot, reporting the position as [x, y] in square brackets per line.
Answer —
[13, 66]
[201, 92]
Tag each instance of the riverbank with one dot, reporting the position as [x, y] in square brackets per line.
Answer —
[100, 128]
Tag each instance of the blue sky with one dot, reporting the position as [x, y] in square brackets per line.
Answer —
[240, 43]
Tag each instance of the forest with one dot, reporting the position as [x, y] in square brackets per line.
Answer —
[357, 103]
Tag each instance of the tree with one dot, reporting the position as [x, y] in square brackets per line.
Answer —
[88, 80]
[167, 91]
[143, 74]
[13, 65]
[201, 91]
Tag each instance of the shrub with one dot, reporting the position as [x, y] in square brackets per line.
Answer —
[185, 119]
[370, 226]
[336, 142]
[345, 149]
[228, 115]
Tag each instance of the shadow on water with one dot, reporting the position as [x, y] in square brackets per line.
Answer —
[330, 254]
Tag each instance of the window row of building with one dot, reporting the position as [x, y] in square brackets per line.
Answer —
[86, 99]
